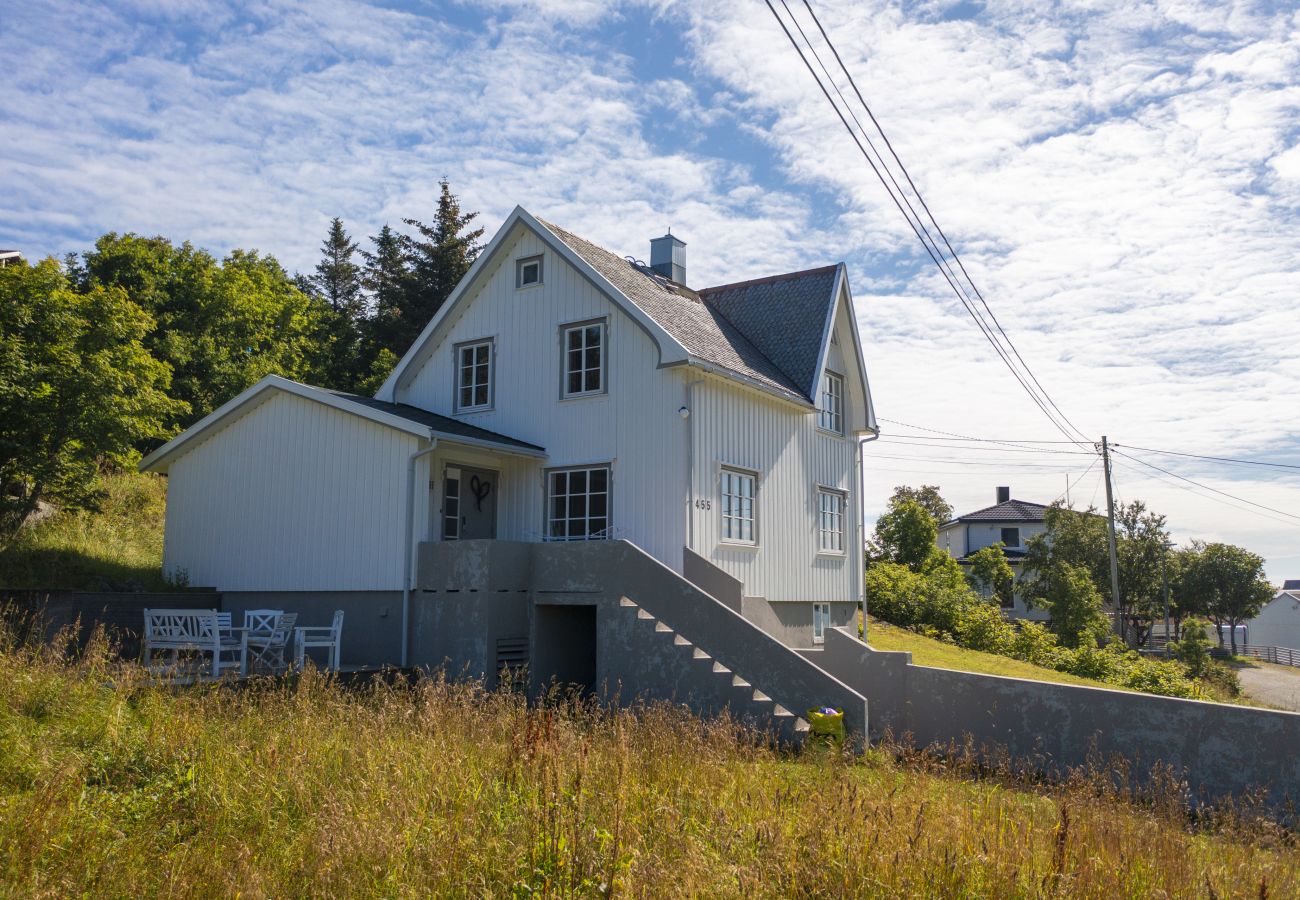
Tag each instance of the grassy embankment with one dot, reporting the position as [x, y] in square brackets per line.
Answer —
[119, 546]
[930, 652]
[110, 786]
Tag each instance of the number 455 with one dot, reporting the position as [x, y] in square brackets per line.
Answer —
[704, 504]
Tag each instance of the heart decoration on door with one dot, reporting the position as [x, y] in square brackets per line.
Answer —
[480, 489]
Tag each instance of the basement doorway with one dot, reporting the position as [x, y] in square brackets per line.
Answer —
[564, 646]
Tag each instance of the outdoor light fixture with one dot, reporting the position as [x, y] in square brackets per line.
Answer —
[684, 413]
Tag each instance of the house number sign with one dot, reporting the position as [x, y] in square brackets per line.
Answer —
[704, 504]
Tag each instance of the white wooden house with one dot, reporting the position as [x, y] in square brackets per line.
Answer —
[1010, 522]
[562, 393]
[1278, 623]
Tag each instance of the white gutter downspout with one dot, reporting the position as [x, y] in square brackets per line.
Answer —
[688, 413]
[861, 528]
[410, 536]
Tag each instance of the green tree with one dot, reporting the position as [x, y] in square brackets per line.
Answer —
[1077, 612]
[78, 389]
[438, 257]
[387, 279]
[1229, 582]
[905, 534]
[338, 284]
[1193, 650]
[989, 573]
[928, 496]
[1141, 542]
[219, 326]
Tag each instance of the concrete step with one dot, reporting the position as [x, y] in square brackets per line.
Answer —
[642, 614]
[662, 628]
[629, 602]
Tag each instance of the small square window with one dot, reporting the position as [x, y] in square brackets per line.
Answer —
[1011, 537]
[528, 272]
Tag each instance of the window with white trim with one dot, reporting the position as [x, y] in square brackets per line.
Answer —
[830, 521]
[577, 504]
[584, 359]
[474, 363]
[830, 411]
[738, 490]
[528, 272]
[821, 621]
[451, 505]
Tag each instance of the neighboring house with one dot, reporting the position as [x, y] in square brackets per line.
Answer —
[10, 258]
[562, 393]
[1013, 522]
[1278, 623]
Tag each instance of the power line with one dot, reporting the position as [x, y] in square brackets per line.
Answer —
[953, 436]
[904, 441]
[1195, 492]
[1013, 463]
[853, 83]
[1075, 483]
[950, 278]
[1206, 487]
[1223, 459]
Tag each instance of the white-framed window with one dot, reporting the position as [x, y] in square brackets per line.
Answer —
[528, 271]
[830, 411]
[577, 504]
[821, 621]
[584, 359]
[738, 489]
[451, 505]
[830, 521]
[474, 364]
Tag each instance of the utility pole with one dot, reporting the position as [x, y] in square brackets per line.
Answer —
[1164, 582]
[1110, 540]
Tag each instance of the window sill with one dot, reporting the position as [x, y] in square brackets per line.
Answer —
[738, 545]
[529, 287]
[829, 433]
[474, 410]
[833, 554]
[589, 395]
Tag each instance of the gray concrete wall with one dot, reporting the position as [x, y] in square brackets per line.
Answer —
[372, 620]
[1221, 749]
[791, 623]
[720, 585]
[44, 613]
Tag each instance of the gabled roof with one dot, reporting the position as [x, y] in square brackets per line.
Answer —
[785, 316]
[772, 334]
[399, 416]
[1010, 511]
[701, 327]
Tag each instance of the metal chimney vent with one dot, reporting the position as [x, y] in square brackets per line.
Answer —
[668, 257]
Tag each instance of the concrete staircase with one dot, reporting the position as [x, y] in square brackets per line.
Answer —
[716, 687]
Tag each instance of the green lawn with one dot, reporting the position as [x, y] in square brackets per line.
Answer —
[117, 547]
[929, 652]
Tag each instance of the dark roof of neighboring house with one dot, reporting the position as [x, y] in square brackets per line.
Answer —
[769, 331]
[1291, 584]
[1010, 511]
[453, 428]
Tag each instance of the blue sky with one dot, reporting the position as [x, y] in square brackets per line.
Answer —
[1121, 178]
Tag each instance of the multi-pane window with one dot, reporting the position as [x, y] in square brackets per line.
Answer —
[830, 521]
[830, 412]
[1011, 537]
[821, 621]
[528, 272]
[451, 505]
[738, 506]
[577, 504]
[584, 359]
[474, 376]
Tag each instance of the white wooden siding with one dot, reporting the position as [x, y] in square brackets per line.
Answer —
[291, 496]
[635, 425]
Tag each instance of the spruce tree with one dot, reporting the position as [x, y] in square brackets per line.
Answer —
[387, 280]
[338, 278]
[438, 256]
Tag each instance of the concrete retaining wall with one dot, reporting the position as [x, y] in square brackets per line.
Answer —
[121, 613]
[372, 620]
[1220, 749]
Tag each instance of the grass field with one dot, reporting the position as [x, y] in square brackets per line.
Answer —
[930, 652]
[112, 787]
[118, 546]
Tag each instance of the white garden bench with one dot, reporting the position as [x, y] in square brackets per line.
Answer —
[205, 631]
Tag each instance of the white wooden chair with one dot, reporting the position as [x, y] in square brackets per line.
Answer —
[262, 620]
[206, 631]
[322, 637]
[267, 648]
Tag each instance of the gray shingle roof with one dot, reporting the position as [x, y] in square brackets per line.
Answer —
[1011, 511]
[784, 316]
[1291, 584]
[442, 424]
[750, 344]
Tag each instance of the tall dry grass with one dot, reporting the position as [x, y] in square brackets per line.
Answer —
[111, 786]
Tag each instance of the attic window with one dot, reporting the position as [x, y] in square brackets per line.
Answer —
[830, 409]
[528, 272]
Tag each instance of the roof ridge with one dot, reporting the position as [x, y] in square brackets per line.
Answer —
[767, 279]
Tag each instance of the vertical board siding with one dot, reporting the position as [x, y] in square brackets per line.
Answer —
[635, 425]
[293, 496]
